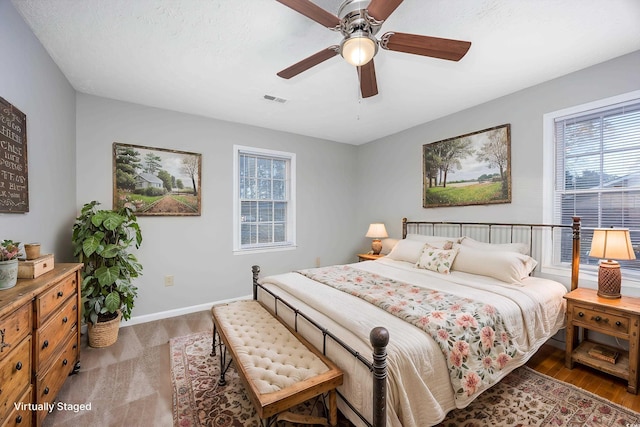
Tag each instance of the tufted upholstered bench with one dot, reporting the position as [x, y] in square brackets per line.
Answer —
[278, 367]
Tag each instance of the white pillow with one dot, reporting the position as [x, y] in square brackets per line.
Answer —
[435, 241]
[434, 259]
[508, 267]
[388, 245]
[522, 248]
[406, 250]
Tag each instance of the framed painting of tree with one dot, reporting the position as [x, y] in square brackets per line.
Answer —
[471, 169]
[156, 181]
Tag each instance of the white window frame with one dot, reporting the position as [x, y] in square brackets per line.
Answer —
[290, 244]
[549, 265]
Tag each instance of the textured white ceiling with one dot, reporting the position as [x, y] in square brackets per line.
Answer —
[218, 58]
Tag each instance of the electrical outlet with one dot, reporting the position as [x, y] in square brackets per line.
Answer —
[168, 280]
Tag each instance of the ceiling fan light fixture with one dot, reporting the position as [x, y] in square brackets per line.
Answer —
[359, 48]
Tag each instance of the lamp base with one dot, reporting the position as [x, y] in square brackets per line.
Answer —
[376, 246]
[609, 279]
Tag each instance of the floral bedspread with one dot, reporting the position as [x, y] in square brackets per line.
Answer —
[471, 334]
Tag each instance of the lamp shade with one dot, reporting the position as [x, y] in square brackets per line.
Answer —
[377, 231]
[612, 243]
[358, 49]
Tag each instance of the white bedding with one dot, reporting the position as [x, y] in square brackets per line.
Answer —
[419, 389]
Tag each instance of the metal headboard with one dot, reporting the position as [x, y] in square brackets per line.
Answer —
[508, 229]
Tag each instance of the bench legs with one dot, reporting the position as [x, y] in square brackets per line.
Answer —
[224, 365]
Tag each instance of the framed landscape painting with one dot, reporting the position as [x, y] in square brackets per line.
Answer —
[156, 181]
[471, 169]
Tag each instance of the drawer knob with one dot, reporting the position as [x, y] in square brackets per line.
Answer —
[64, 319]
[18, 419]
[597, 318]
[18, 366]
[581, 314]
[64, 362]
[45, 344]
[618, 323]
[46, 390]
[60, 293]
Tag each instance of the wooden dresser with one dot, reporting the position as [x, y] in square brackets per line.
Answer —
[39, 343]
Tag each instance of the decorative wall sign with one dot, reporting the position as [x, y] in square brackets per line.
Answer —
[156, 181]
[14, 176]
[471, 169]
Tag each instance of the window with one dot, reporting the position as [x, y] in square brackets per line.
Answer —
[597, 175]
[264, 206]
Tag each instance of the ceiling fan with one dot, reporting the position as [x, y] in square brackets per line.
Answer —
[359, 21]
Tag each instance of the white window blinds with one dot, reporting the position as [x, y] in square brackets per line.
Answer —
[598, 174]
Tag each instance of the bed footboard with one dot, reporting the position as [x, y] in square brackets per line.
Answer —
[379, 338]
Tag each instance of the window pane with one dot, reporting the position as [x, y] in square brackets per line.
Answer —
[582, 137]
[279, 233]
[279, 190]
[620, 166]
[279, 169]
[265, 210]
[582, 172]
[248, 234]
[280, 212]
[264, 168]
[248, 212]
[264, 233]
[264, 189]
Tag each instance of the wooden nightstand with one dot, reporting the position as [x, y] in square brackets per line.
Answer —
[368, 257]
[614, 317]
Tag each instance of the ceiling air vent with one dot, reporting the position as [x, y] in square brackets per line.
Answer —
[275, 99]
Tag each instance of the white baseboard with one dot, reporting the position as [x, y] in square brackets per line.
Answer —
[170, 313]
[177, 312]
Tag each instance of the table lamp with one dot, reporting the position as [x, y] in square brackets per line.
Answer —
[609, 244]
[377, 232]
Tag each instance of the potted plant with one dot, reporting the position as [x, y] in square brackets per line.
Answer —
[9, 253]
[102, 240]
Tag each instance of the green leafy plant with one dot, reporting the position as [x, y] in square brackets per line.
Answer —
[9, 250]
[102, 240]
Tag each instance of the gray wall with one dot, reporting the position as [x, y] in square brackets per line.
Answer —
[197, 251]
[31, 81]
[390, 169]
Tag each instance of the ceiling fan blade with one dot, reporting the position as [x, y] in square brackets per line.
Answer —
[453, 50]
[309, 62]
[311, 11]
[368, 83]
[381, 9]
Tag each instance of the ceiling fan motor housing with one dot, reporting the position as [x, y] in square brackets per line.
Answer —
[355, 23]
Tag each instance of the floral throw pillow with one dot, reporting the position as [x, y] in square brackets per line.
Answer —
[435, 259]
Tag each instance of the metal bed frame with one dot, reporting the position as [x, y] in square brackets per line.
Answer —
[379, 336]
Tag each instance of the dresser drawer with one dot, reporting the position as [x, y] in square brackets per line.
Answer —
[15, 376]
[49, 382]
[13, 328]
[22, 416]
[55, 331]
[51, 300]
[599, 320]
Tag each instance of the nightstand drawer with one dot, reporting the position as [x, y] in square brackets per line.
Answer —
[598, 320]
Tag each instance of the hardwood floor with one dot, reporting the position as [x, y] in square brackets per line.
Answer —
[549, 360]
[129, 383]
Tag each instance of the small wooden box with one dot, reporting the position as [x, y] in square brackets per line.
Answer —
[35, 267]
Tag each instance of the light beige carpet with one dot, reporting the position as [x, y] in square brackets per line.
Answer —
[523, 398]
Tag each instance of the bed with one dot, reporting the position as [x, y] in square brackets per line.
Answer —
[451, 310]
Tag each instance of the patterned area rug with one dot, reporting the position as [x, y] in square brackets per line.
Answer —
[523, 398]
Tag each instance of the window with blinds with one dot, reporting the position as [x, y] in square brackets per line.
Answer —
[597, 175]
[264, 209]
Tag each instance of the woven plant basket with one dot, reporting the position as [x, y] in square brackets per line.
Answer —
[103, 334]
